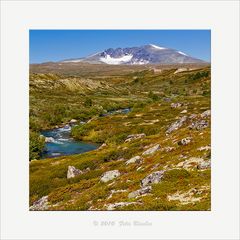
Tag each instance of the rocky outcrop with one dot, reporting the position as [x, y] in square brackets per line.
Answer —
[176, 125]
[110, 175]
[153, 178]
[73, 172]
[152, 150]
[136, 159]
[185, 141]
[40, 205]
[134, 137]
[113, 206]
[199, 125]
[140, 192]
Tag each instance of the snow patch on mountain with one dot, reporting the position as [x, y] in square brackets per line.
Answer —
[115, 61]
[182, 53]
[157, 47]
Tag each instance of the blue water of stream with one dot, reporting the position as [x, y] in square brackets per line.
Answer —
[60, 143]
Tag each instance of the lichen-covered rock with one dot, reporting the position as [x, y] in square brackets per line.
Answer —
[40, 205]
[140, 192]
[185, 141]
[153, 178]
[199, 125]
[73, 172]
[136, 159]
[152, 150]
[110, 175]
[176, 125]
[134, 137]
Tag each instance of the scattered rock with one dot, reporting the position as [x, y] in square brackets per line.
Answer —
[206, 148]
[140, 192]
[113, 206]
[136, 159]
[204, 165]
[176, 125]
[192, 116]
[152, 150]
[73, 172]
[190, 163]
[102, 146]
[176, 105]
[108, 176]
[185, 141]
[167, 99]
[40, 205]
[153, 178]
[168, 149]
[184, 197]
[199, 125]
[205, 114]
[49, 139]
[184, 111]
[134, 137]
[73, 121]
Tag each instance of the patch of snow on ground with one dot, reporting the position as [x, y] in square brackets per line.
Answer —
[115, 61]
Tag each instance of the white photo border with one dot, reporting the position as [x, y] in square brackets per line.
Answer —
[18, 17]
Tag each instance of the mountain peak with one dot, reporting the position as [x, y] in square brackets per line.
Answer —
[147, 54]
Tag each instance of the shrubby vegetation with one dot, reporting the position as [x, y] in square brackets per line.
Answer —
[55, 100]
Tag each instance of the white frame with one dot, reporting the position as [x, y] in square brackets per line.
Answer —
[20, 16]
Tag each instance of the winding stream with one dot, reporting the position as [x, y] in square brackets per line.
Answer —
[60, 143]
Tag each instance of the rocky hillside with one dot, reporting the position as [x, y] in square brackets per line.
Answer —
[156, 157]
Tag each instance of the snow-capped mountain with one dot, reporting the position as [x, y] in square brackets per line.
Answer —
[147, 54]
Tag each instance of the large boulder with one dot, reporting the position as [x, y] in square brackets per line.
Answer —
[176, 125]
[136, 159]
[40, 205]
[153, 178]
[140, 192]
[152, 150]
[73, 172]
[110, 175]
[134, 137]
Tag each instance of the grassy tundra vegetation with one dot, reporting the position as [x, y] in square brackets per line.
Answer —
[158, 99]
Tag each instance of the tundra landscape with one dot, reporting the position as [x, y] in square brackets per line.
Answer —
[120, 136]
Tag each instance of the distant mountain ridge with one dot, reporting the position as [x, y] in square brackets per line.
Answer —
[147, 54]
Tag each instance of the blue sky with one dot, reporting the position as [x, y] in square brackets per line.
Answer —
[55, 45]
